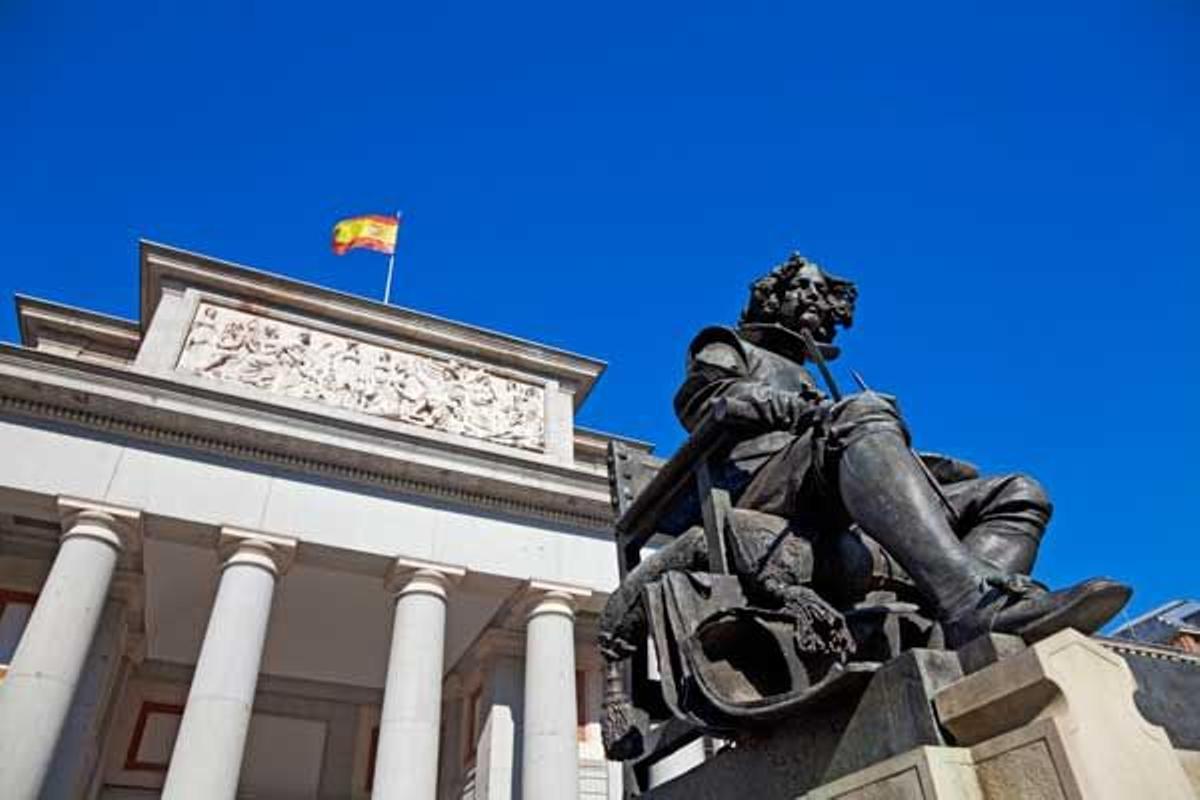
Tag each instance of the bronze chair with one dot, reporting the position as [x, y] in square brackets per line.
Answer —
[706, 681]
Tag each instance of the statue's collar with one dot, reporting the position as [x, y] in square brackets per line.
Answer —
[783, 341]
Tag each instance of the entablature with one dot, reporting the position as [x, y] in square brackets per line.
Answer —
[356, 449]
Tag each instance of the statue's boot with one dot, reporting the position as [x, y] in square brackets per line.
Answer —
[1007, 530]
[890, 497]
[1035, 615]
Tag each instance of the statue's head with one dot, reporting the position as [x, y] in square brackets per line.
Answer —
[799, 294]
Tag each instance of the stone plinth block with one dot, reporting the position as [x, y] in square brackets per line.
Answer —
[1058, 720]
[925, 773]
[895, 713]
[1191, 766]
[893, 716]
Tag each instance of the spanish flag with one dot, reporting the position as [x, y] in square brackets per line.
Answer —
[373, 231]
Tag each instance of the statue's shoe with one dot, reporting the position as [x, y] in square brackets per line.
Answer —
[1034, 615]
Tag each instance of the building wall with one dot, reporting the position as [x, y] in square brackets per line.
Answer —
[146, 418]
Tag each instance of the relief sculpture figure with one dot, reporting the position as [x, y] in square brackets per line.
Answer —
[835, 526]
[441, 393]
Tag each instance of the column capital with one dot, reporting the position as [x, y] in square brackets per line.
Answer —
[269, 551]
[407, 576]
[118, 526]
[547, 597]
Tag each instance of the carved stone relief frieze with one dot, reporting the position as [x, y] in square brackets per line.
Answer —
[286, 359]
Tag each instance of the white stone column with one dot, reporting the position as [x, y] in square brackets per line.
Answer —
[77, 759]
[36, 694]
[406, 763]
[207, 759]
[550, 750]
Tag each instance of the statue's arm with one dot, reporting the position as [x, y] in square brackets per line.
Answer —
[718, 369]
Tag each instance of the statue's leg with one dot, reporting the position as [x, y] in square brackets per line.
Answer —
[867, 461]
[882, 489]
[1001, 519]
[623, 625]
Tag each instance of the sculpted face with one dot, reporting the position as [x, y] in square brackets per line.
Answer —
[806, 305]
[799, 295]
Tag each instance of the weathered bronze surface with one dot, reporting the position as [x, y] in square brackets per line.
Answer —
[805, 541]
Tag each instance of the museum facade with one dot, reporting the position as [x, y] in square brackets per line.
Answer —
[275, 541]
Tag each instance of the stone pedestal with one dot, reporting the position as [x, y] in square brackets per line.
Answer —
[892, 716]
[1054, 721]
[1058, 720]
[926, 773]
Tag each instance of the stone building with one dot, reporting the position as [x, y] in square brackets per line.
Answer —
[1174, 624]
[274, 541]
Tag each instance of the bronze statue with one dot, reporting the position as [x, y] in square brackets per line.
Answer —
[828, 527]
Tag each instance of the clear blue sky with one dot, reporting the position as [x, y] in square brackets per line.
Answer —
[1014, 188]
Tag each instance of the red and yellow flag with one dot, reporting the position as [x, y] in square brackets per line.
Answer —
[372, 231]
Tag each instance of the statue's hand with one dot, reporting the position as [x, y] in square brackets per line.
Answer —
[766, 408]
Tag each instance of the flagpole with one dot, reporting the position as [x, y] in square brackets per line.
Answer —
[387, 288]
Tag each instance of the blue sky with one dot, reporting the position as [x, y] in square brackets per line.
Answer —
[1014, 188]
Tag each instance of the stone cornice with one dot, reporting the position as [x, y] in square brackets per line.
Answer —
[162, 264]
[592, 445]
[1148, 650]
[42, 319]
[146, 408]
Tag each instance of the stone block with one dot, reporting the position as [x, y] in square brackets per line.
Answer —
[987, 650]
[1190, 759]
[925, 773]
[1030, 763]
[895, 713]
[1061, 710]
[892, 716]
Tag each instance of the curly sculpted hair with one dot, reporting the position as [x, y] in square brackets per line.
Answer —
[767, 294]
